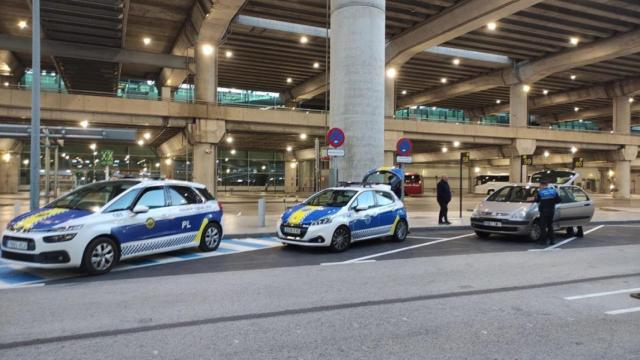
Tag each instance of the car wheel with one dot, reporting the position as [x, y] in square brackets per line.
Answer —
[211, 237]
[100, 256]
[340, 240]
[536, 231]
[483, 234]
[401, 231]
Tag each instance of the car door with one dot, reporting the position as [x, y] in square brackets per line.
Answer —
[571, 211]
[386, 212]
[584, 206]
[185, 212]
[364, 216]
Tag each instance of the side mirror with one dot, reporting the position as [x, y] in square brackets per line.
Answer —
[140, 209]
[361, 207]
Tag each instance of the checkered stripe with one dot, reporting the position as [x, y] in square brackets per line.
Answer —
[137, 247]
[380, 230]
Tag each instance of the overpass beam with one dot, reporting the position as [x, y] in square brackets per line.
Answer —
[357, 83]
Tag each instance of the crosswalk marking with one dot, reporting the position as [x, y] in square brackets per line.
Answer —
[14, 276]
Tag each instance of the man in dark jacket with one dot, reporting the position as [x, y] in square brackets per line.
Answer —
[547, 198]
[444, 197]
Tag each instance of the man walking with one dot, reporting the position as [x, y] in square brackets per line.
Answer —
[547, 198]
[444, 197]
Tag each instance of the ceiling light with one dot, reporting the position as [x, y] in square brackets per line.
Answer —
[22, 24]
[293, 165]
[391, 73]
[6, 84]
[25, 161]
[580, 120]
[576, 109]
[228, 53]
[316, 65]
[545, 92]
[456, 61]
[140, 142]
[93, 146]
[445, 149]
[476, 169]
[229, 139]
[498, 101]
[146, 41]
[573, 76]
[207, 49]
[289, 148]
[168, 161]
[64, 155]
[546, 154]
[6, 157]
[84, 123]
[433, 108]
[631, 100]
[157, 164]
[147, 135]
[303, 136]
[443, 80]
[304, 39]
[492, 26]
[456, 143]
[233, 151]
[574, 40]
[574, 149]
[289, 80]
[611, 173]
[404, 92]
[526, 88]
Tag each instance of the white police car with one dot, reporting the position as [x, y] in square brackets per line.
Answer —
[97, 225]
[338, 216]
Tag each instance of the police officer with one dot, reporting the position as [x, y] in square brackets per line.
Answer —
[547, 198]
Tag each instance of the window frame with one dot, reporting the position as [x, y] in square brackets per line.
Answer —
[169, 199]
[147, 189]
[355, 202]
[392, 198]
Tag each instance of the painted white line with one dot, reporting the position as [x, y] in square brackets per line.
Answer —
[622, 311]
[553, 247]
[346, 263]
[262, 242]
[424, 237]
[235, 247]
[407, 248]
[586, 296]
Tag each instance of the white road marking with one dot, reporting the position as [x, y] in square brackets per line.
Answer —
[345, 263]
[406, 248]
[586, 296]
[622, 311]
[554, 247]
[425, 237]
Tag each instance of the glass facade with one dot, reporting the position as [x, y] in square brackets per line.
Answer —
[250, 170]
[585, 125]
[49, 81]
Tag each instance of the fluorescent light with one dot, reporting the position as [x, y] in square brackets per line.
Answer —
[147, 136]
[576, 109]
[140, 142]
[229, 139]
[573, 76]
[233, 151]
[546, 154]
[574, 149]
[289, 148]
[456, 144]
[492, 26]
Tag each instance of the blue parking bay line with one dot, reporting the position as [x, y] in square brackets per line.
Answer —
[140, 262]
[224, 250]
[243, 243]
[186, 255]
[12, 276]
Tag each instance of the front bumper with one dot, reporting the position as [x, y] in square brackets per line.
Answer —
[501, 225]
[39, 253]
[317, 235]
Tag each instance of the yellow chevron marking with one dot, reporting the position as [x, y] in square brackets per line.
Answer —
[30, 221]
[205, 221]
[395, 223]
[299, 215]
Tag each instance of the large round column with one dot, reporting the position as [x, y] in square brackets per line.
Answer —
[357, 83]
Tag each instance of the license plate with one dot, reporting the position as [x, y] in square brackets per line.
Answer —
[18, 245]
[293, 231]
[492, 223]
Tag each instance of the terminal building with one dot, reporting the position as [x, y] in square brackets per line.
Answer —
[239, 95]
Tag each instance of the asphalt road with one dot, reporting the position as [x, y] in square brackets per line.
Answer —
[440, 294]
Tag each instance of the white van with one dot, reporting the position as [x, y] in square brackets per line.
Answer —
[487, 184]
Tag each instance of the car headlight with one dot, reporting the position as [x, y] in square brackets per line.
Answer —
[66, 228]
[58, 238]
[519, 215]
[476, 212]
[324, 220]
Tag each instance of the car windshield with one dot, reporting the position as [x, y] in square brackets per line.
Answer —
[92, 197]
[331, 198]
[514, 194]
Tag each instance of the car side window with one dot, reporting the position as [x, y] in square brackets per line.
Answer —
[384, 198]
[566, 195]
[152, 198]
[579, 195]
[183, 195]
[365, 200]
[124, 202]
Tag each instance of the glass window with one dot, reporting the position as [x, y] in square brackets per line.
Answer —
[501, 195]
[182, 195]
[124, 202]
[152, 198]
[331, 198]
[579, 195]
[566, 195]
[384, 198]
[205, 194]
[92, 197]
[365, 200]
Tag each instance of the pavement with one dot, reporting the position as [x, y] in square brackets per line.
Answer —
[441, 294]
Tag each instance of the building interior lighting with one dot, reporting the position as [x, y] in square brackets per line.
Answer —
[304, 39]
[140, 142]
[391, 73]
[492, 26]
[316, 65]
[545, 92]
[228, 53]
[445, 149]
[6, 157]
[229, 139]
[526, 88]
[498, 101]
[546, 153]
[289, 148]
[207, 49]
[146, 40]
[84, 124]
[443, 80]
[573, 76]
[22, 24]
[574, 40]
[455, 61]
[93, 146]
[574, 149]
[232, 152]
[456, 144]
[303, 136]
[289, 80]
[147, 136]
[404, 92]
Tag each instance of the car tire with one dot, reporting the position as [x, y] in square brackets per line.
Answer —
[341, 239]
[401, 231]
[483, 234]
[211, 237]
[535, 234]
[100, 256]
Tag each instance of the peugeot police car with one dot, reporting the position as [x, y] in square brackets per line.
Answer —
[336, 217]
[97, 225]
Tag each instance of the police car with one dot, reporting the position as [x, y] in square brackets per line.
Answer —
[95, 226]
[336, 217]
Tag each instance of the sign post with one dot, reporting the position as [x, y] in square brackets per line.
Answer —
[578, 162]
[404, 148]
[525, 160]
[106, 160]
[335, 139]
[465, 158]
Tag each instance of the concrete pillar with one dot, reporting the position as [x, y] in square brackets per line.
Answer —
[623, 172]
[518, 113]
[165, 93]
[603, 186]
[621, 115]
[206, 80]
[167, 168]
[291, 177]
[516, 149]
[357, 82]
[389, 96]
[389, 158]
[9, 173]
[204, 165]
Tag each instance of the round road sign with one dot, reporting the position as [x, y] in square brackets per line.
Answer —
[335, 137]
[404, 147]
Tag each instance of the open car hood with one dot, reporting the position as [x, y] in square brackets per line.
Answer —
[557, 177]
[386, 175]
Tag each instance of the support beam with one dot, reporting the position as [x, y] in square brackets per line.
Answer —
[595, 52]
[10, 66]
[92, 52]
[586, 114]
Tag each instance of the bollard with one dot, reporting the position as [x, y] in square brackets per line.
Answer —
[17, 207]
[262, 209]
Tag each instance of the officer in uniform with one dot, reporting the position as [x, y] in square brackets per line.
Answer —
[547, 198]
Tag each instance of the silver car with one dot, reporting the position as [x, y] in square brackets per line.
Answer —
[511, 210]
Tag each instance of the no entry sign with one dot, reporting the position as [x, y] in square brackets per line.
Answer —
[404, 147]
[335, 137]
